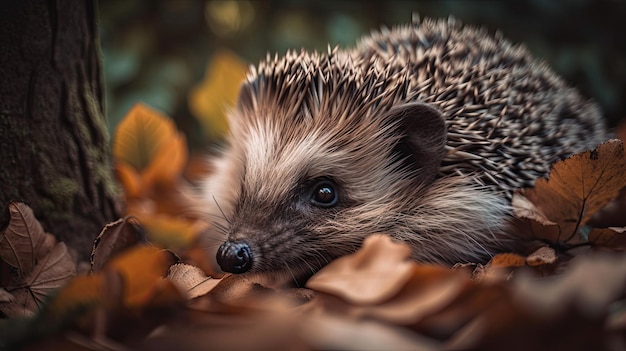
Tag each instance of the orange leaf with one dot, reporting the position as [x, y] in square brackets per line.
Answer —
[83, 290]
[507, 260]
[143, 269]
[169, 163]
[171, 232]
[130, 180]
[143, 139]
[219, 90]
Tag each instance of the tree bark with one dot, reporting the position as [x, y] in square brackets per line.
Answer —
[55, 153]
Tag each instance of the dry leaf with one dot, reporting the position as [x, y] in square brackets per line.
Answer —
[614, 238]
[430, 289]
[507, 260]
[6, 296]
[50, 274]
[544, 255]
[191, 280]
[114, 238]
[372, 274]
[23, 242]
[578, 187]
[218, 92]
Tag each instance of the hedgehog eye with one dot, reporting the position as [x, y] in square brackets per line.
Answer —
[324, 194]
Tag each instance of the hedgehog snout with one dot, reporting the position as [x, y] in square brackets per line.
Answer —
[234, 257]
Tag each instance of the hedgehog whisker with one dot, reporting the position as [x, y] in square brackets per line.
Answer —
[220, 208]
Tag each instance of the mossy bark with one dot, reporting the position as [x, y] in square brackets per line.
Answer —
[54, 147]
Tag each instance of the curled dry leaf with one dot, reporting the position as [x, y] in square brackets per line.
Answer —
[544, 255]
[114, 238]
[578, 187]
[191, 280]
[372, 274]
[24, 241]
[379, 282]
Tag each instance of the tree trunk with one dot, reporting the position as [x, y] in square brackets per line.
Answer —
[55, 153]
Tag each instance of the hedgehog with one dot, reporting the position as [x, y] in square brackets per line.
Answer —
[422, 132]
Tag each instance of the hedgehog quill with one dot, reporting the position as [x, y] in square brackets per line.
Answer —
[421, 132]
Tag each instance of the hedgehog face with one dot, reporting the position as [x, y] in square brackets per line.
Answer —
[303, 194]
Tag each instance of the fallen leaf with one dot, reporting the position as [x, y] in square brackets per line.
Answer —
[507, 260]
[79, 295]
[143, 269]
[614, 238]
[50, 274]
[578, 187]
[6, 296]
[544, 255]
[24, 241]
[191, 280]
[374, 273]
[114, 238]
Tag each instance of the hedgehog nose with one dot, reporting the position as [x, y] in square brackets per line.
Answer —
[234, 257]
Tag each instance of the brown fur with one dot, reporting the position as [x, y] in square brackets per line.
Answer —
[425, 129]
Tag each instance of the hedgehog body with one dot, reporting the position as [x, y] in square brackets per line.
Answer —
[421, 132]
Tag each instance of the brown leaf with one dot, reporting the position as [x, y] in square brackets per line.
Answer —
[376, 272]
[429, 290]
[114, 238]
[51, 273]
[23, 242]
[6, 296]
[578, 187]
[191, 280]
[614, 238]
[544, 255]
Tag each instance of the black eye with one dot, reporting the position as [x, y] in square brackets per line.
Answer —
[324, 194]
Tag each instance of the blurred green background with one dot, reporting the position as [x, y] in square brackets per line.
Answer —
[157, 51]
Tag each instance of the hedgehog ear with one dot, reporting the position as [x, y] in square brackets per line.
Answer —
[424, 137]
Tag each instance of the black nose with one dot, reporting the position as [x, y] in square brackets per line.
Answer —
[234, 257]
